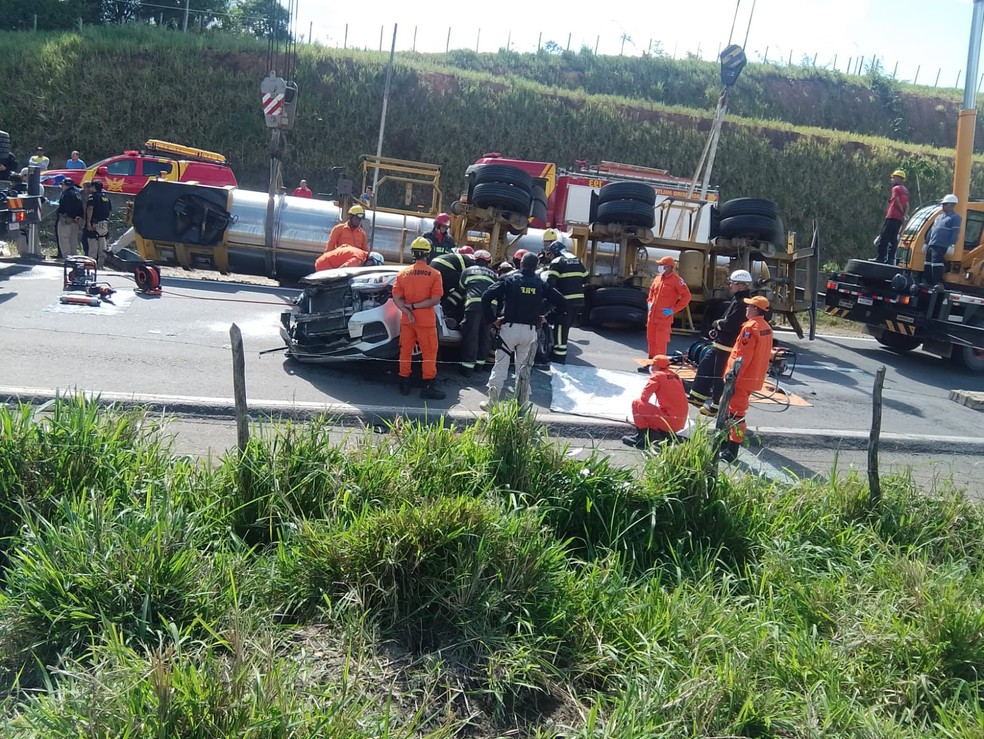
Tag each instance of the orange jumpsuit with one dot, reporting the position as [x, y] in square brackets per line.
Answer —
[667, 291]
[415, 284]
[343, 256]
[344, 235]
[754, 347]
[670, 411]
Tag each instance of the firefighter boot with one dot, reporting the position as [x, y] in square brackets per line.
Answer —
[729, 450]
[404, 386]
[640, 440]
[430, 392]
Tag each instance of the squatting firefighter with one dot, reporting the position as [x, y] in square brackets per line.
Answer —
[450, 266]
[439, 237]
[476, 335]
[709, 382]
[567, 274]
[416, 291]
[898, 206]
[754, 348]
[664, 419]
[519, 297]
[668, 295]
[350, 233]
[346, 256]
[942, 235]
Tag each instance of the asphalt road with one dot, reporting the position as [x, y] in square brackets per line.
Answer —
[176, 349]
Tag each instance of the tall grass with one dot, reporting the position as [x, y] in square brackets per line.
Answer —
[435, 581]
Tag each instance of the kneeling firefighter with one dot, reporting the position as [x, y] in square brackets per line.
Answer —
[706, 389]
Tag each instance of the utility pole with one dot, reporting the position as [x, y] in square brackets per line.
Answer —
[447, 46]
[184, 26]
[382, 129]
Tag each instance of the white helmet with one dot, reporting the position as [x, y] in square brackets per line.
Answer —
[741, 275]
[951, 199]
[375, 259]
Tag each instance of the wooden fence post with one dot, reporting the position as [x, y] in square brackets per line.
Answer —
[239, 386]
[874, 483]
[721, 422]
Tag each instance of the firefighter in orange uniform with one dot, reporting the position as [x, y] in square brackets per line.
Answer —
[667, 417]
[346, 256]
[351, 232]
[668, 295]
[416, 291]
[754, 347]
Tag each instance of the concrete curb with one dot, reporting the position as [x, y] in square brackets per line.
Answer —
[559, 424]
[969, 398]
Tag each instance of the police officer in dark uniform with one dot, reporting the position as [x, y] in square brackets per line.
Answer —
[476, 335]
[520, 296]
[709, 381]
[69, 219]
[567, 274]
[97, 211]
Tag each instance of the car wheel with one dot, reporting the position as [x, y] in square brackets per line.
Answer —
[617, 316]
[637, 191]
[504, 174]
[749, 207]
[627, 212]
[630, 297]
[498, 195]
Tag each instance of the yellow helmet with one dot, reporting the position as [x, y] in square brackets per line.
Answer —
[899, 173]
[550, 235]
[420, 244]
[356, 210]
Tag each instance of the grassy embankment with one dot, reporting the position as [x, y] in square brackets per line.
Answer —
[203, 90]
[475, 582]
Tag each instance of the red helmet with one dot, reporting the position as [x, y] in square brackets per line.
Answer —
[465, 249]
[443, 219]
[520, 253]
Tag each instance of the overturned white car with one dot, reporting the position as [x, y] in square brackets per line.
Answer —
[345, 314]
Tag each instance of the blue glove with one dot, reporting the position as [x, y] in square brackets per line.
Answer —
[667, 311]
[649, 306]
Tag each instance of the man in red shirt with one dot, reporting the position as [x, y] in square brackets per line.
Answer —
[302, 191]
[416, 291]
[898, 207]
[351, 232]
[754, 347]
[667, 417]
[668, 295]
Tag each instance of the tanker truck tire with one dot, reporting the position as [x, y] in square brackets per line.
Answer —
[749, 207]
[629, 297]
[637, 191]
[499, 195]
[627, 212]
[617, 316]
[504, 174]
